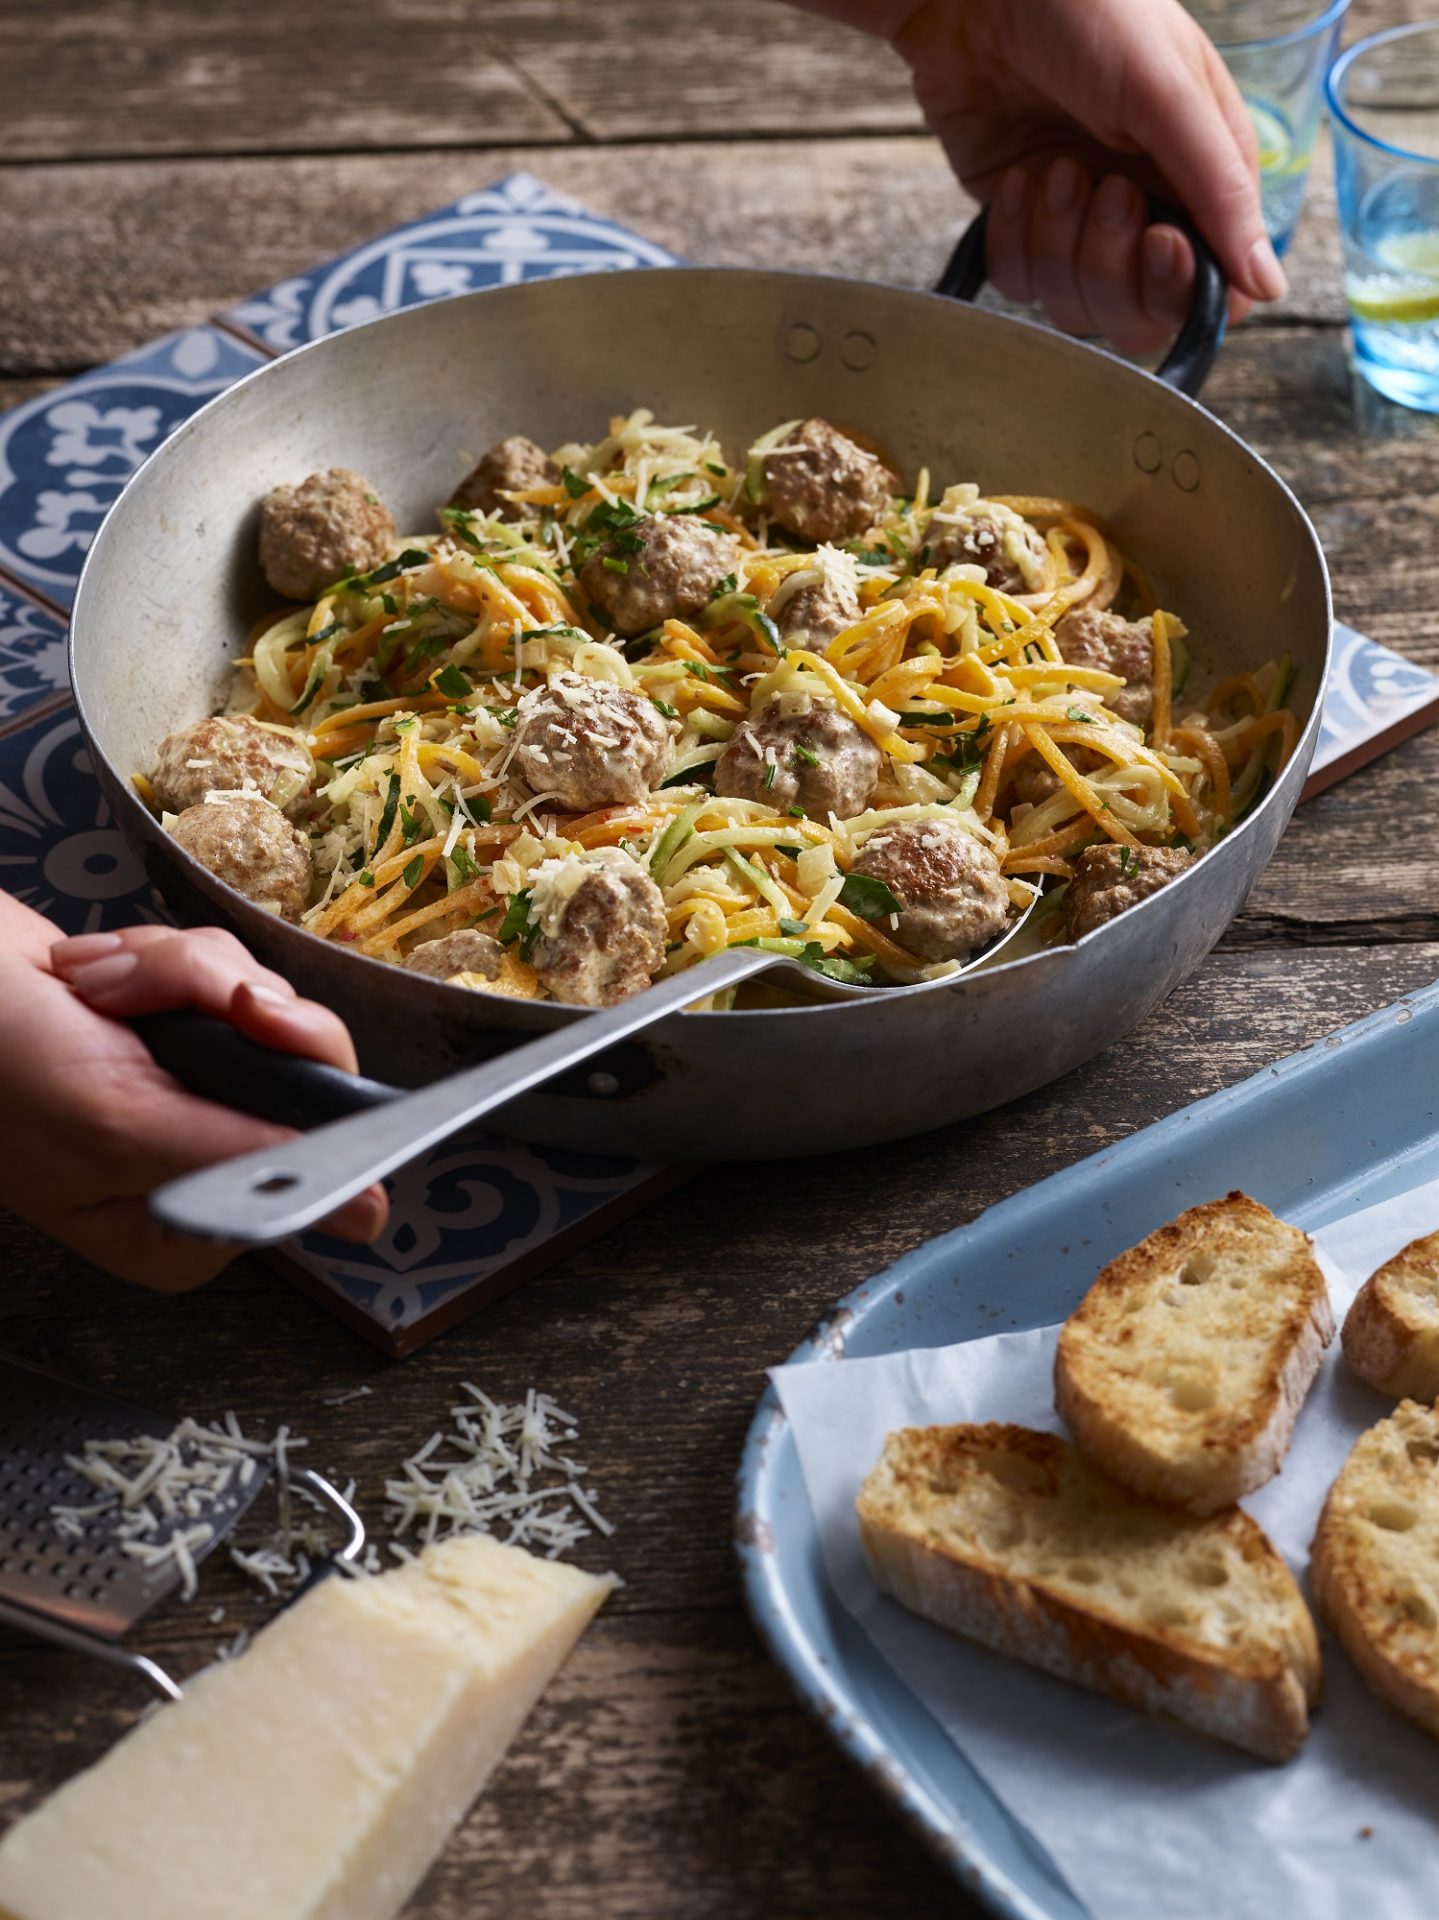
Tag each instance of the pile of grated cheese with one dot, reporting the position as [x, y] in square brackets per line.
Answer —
[501, 1469]
[158, 1497]
[498, 1468]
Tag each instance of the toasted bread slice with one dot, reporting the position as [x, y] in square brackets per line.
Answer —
[1391, 1332]
[1376, 1560]
[1010, 1537]
[1183, 1368]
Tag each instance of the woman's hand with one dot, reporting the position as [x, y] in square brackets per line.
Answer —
[90, 1125]
[1062, 115]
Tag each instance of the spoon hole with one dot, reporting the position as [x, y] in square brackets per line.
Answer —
[277, 1183]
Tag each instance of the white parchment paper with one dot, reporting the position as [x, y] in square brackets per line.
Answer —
[1146, 1820]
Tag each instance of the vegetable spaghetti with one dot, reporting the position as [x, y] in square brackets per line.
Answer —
[635, 702]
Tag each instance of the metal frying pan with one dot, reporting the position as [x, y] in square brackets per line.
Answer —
[171, 585]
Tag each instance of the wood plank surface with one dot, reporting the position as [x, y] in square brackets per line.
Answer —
[325, 75]
[166, 161]
[81, 280]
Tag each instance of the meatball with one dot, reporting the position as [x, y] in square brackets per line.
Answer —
[591, 743]
[309, 534]
[230, 754]
[994, 538]
[1035, 781]
[252, 847]
[806, 756]
[823, 486]
[601, 927]
[661, 568]
[1107, 879]
[511, 465]
[815, 614]
[465, 951]
[948, 882]
[1089, 638]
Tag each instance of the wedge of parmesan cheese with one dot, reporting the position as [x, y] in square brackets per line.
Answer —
[319, 1775]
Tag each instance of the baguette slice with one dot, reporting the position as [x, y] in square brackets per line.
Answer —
[1184, 1367]
[1391, 1332]
[1011, 1538]
[1376, 1560]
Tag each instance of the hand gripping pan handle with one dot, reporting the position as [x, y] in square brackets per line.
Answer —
[261, 1197]
[1186, 365]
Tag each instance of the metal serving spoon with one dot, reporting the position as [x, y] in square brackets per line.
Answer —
[266, 1196]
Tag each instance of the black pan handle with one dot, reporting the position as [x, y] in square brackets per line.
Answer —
[220, 1064]
[1187, 363]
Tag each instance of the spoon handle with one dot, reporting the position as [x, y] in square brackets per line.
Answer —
[269, 1195]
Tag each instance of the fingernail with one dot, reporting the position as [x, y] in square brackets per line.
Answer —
[1061, 185]
[1161, 254]
[267, 995]
[1266, 276]
[100, 975]
[1114, 204]
[1013, 190]
[83, 948]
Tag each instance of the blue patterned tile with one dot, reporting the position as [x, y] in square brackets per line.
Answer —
[1371, 689]
[517, 229]
[461, 1216]
[33, 667]
[65, 455]
[60, 851]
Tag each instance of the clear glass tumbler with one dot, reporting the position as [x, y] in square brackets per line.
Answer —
[1278, 52]
[1384, 105]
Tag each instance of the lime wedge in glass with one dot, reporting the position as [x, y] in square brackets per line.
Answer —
[1276, 140]
[1406, 292]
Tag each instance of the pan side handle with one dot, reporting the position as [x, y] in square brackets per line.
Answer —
[211, 1058]
[1187, 363]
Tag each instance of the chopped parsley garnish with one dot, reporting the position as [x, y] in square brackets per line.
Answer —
[669, 712]
[794, 927]
[366, 879]
[576, 486]
[411, 557]
[410, 826]
[611, 565]
[464, 866]
[414, 870]
[461, 524]
[769, 773]
[451, 681]
[506, 716]
[387, 815]
[1127, 860]
[722, 587]
[1079, 715]
[712, 466]
[389, 603]
[871, 899]
[517, 916]
[806, 755]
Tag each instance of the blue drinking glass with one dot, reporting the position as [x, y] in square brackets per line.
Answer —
[1384, 106]
[1278, 52]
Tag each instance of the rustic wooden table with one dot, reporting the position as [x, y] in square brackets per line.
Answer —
[160, 161]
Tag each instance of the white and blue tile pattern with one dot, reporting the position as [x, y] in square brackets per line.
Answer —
[518, 229]
[1371, 690]
[60, 851]
[459, 1217]
[65, 455]
[33, 668]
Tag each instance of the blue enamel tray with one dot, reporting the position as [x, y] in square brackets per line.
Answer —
[1347, 1123]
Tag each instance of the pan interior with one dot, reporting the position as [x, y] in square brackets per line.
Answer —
[411, 401]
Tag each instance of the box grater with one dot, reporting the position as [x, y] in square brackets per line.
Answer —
[86, 1593]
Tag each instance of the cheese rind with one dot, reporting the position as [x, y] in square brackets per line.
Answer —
[318, 1776]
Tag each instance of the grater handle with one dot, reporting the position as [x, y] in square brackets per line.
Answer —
[75, 1640]
[349, 1554]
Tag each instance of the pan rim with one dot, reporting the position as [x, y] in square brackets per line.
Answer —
[1082, 351]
